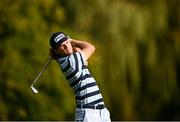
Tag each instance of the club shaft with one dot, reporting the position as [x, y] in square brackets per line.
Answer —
[49, 60]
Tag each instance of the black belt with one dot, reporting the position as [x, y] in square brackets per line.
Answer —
[91, 106]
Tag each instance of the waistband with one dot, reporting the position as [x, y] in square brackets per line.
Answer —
[92, 106]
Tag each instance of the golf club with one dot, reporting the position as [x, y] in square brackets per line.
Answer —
[34, 90]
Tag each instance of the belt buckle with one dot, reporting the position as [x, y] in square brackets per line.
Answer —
[96, 107]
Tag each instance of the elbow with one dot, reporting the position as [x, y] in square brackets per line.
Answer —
[93, 48]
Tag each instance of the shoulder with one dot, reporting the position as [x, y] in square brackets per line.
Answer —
[76, 58]
[76, 55]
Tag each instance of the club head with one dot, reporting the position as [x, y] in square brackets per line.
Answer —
[34, 90]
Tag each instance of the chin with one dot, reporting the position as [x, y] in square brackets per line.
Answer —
[69, 53]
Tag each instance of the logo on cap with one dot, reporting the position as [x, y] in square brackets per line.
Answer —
[59, 37]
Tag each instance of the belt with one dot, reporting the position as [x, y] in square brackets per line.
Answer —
[91, 106]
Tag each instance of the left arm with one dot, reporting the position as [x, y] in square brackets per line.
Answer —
[85, 47]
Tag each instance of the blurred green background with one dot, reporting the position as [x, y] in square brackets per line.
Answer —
[136, 64]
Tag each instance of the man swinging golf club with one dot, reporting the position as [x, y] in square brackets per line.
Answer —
[72, 55]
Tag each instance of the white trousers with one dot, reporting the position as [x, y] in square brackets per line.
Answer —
[92, 115]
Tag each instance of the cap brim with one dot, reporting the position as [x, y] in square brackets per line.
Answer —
[63, 40]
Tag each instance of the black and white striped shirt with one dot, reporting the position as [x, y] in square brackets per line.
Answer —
[81, 81]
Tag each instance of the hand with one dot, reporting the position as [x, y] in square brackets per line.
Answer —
[73, 43]
[75, 48]
[53, 54]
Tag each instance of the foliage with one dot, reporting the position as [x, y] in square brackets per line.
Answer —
[136, 64]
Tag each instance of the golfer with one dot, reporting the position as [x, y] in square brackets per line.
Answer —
[72, 55]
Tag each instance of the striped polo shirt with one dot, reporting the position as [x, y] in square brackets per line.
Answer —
[79, 78]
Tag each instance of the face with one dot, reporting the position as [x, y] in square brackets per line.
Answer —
[65, 48]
